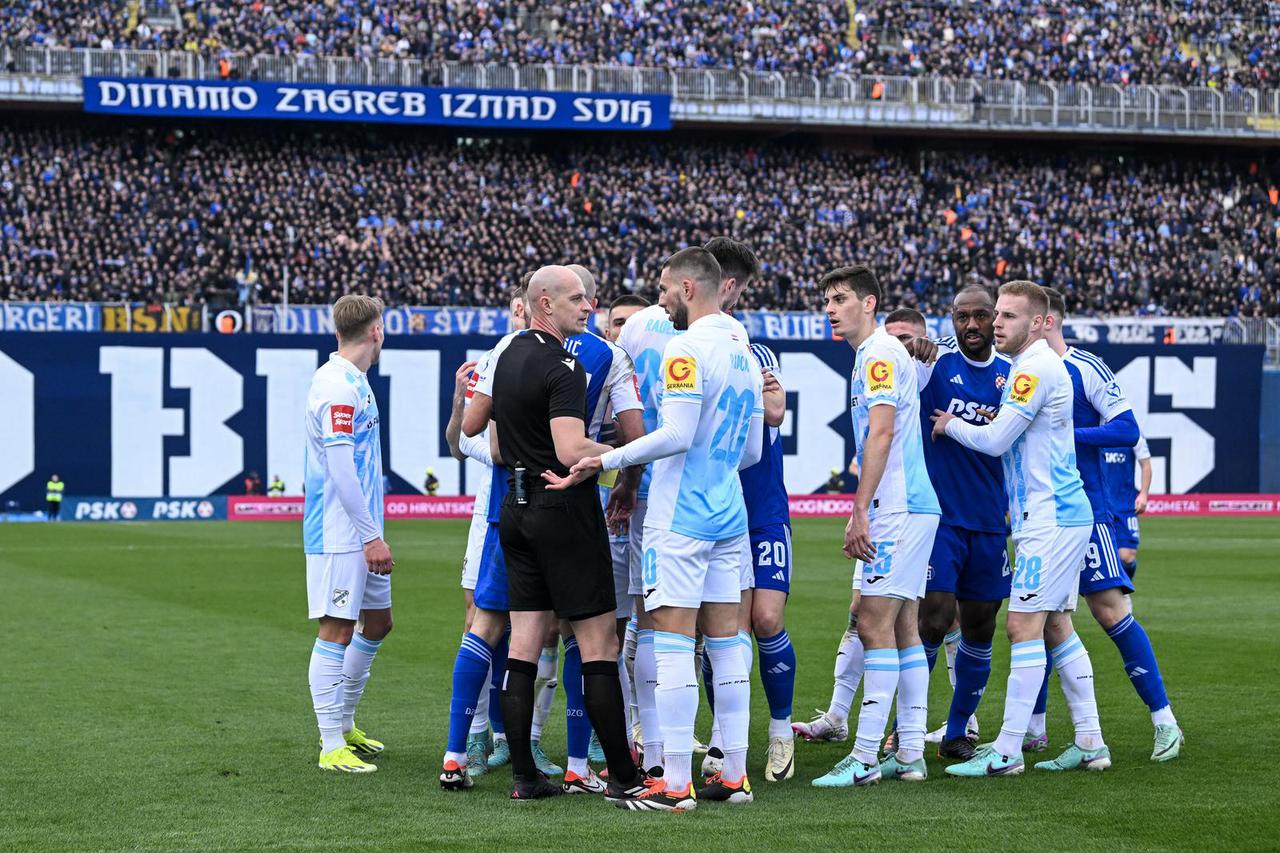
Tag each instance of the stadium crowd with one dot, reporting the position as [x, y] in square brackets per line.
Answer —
[206, 216]
[1224, 43]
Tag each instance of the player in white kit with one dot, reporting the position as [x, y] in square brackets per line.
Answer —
[1051, 519]
[711, 424]
[348, 563]
[890, 533]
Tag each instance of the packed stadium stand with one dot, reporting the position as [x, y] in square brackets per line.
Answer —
[206, 215]
[1223, 43]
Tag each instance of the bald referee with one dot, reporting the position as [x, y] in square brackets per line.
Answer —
[556, 543]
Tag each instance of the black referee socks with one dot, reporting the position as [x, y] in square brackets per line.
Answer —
[603, 697]
[517, 711]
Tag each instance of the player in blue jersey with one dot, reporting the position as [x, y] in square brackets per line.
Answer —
[348, 563]
[970, 561]
[1127, 500]
[1103, 418]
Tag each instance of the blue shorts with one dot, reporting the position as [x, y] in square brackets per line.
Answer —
[1125, 528]
[1102, 569]
[969, 564]
[491, 584]
[771, 557]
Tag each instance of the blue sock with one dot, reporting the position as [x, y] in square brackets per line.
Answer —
[575, 704]
[1042, 701]
[708, 682]
[470, 668]
[1130, 569]
[495, 686]
[1139, 661]
[931, 653]
[973, 670]
[778, 673]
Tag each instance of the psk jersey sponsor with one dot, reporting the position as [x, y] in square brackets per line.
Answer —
[763, 487]
[341, 409]
[1118, 466]
[969, 485]
[644, 338]
[611, 382]
[698, 494]
[1097, 398]
[884, 374]
[1040, 475]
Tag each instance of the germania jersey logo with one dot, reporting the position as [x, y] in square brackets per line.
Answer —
[1022, 388]
[681, 374]
[879, 376]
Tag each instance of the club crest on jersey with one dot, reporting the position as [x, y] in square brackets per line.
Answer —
[879, 376]
[681, 374]
[1022, 388]
[342, 419]
[1000, 380]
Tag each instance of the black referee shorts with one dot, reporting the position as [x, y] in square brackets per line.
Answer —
[557, 552]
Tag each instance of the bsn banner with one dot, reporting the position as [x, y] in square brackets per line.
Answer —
[495, 108]
[191, 415]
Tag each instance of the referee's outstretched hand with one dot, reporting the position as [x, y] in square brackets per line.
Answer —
[583, 469]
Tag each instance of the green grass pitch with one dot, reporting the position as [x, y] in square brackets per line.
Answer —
[155, 697]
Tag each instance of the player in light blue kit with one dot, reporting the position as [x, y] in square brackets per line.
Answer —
[348, 563]
[696, 526]
[1051, 520]
[1127, 500]
[891, 532]
[1103, 418]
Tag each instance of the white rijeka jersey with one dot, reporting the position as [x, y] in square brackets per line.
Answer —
[340, 410]
[698, 493]
[484, 364]
[1040, 472]
[885, 375]
[644, 338]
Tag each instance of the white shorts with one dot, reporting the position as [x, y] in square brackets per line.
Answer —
[475, 547]
[1046, 569]
[620, 550]
[748, 568]
[680, 571]
[635, 584]
[341, 585]
[904, 541]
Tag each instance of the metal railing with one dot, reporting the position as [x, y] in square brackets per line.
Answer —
[726, 95]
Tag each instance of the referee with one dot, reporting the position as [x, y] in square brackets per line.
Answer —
[556, 543]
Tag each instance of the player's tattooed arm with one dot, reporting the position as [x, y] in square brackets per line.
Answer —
[453, 431]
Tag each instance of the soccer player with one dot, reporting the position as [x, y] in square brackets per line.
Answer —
[1127, 502]
[969, 565]
[348, 563]
[488, 643]
[1051, 521]
[1103, 418]
[555, 544]
[696, 527]
[890, 532]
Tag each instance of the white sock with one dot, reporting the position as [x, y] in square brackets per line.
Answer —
[880, 682]
[1164, 717]
[1039, 724]
[848, 673]
[733, 701]
[544, 689]
[480, 719]
[913, 702]
[676, 697]
[629, 654]
[748, 652]
[624, 678]
[646, 683]
[1026, 673]
[1075, 672]
[579, 766]
[355, 675]
[325, 676]
[951, 643]
[717, 740]
[781, 728]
